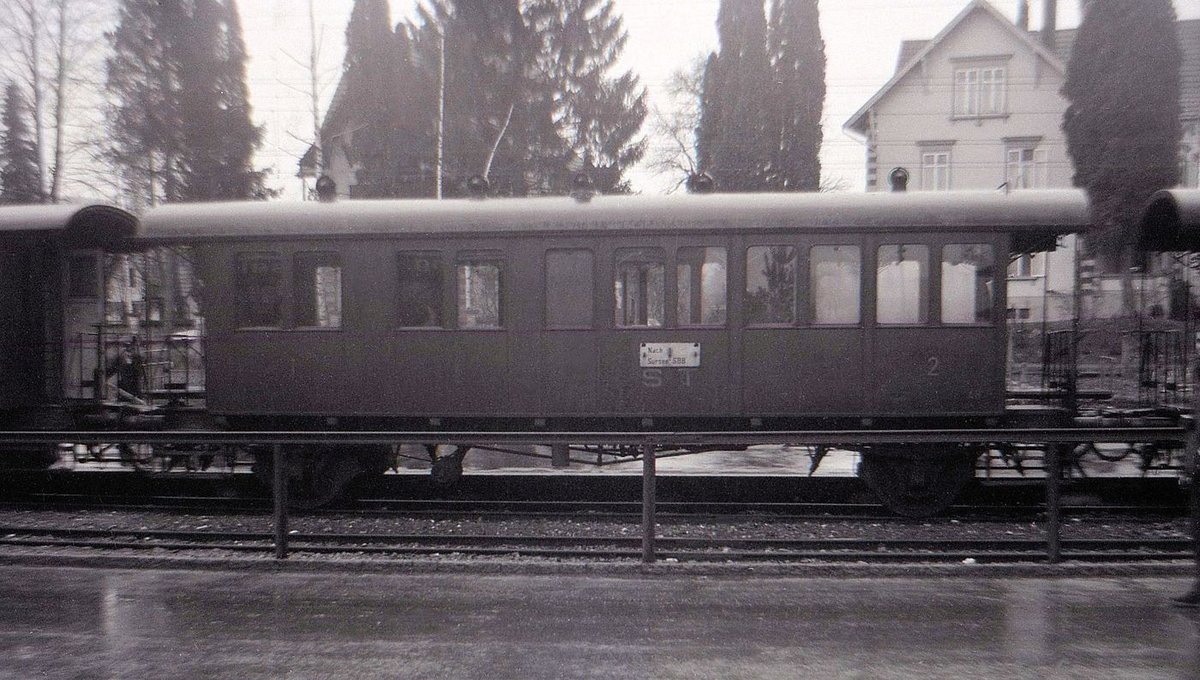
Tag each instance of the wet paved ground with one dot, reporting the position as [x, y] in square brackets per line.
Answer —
[76, 623]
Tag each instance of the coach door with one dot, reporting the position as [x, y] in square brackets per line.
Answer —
[802, 351]
[937, 336]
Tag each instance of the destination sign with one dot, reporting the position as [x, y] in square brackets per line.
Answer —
[670, 354]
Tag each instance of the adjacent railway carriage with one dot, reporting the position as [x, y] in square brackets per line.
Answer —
[51, 289]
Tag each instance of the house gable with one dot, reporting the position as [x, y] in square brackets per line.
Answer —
[978, 23]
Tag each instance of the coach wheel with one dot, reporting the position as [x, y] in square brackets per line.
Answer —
[447, 469]
[28, 457]
[317, 476]
[917, 485]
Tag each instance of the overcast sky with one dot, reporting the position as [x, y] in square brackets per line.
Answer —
[862, 39]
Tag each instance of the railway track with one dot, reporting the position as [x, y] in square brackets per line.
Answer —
[681, 549]
[620, 510]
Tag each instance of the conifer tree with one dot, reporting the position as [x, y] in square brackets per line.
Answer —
[797, 55]
[707, 131]
[598, 114]
[179, 114]
[18, 153]
[1123, 119]
[740, 151]
[380, 124]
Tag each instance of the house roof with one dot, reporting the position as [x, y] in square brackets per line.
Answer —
[912, 51]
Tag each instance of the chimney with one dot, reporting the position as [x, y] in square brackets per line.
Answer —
[1023, 15]
[1049, 23]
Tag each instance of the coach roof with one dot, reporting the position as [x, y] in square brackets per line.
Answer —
[1171, 221]
[1036, 214]
[80, 226]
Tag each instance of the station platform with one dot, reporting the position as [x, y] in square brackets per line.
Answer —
[104, 623]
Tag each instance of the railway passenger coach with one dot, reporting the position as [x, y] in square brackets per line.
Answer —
[51, 292]
[698, 312]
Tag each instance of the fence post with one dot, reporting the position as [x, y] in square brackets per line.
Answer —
[279, 485]
[648, 501]
[1053, 465]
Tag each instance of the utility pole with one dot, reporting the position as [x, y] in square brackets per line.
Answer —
[441, 117]
[314, 54]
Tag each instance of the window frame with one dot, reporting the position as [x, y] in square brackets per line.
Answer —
[475, 258]
[744, 291]
[592, 315]
[441, 262]
[809, 293]
[993, 304]
[925, 294]
[935, 175]
[677, 261]
[975, 80]
[618, 301]
[296, 304]
[1036, 167]
[281, 288]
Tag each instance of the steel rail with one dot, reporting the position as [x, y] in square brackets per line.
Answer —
[871, 551]
[302, 541]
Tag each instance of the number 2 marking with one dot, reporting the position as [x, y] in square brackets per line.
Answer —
[934, 364]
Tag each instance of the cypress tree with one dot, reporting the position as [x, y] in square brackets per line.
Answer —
[219, 137]
[382, 144]
[797, 55]
[18, 153]
[179, 115]
[708, 129]
[742, 152]
[1123, 119]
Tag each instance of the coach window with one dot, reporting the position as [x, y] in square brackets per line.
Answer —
[83, 275]
[968, 283]
[479, 292]
[770, 285]
[317, 287]
[640, 287]
[835, 274]
[569, 285]
[258, 283]
[902, 284]
[419, 298]
[701, 281]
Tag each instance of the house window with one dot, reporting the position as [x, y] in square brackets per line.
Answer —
[980, 91]
[935, 170]
[1189, 166]
[1027, 266]
[1026, 168]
